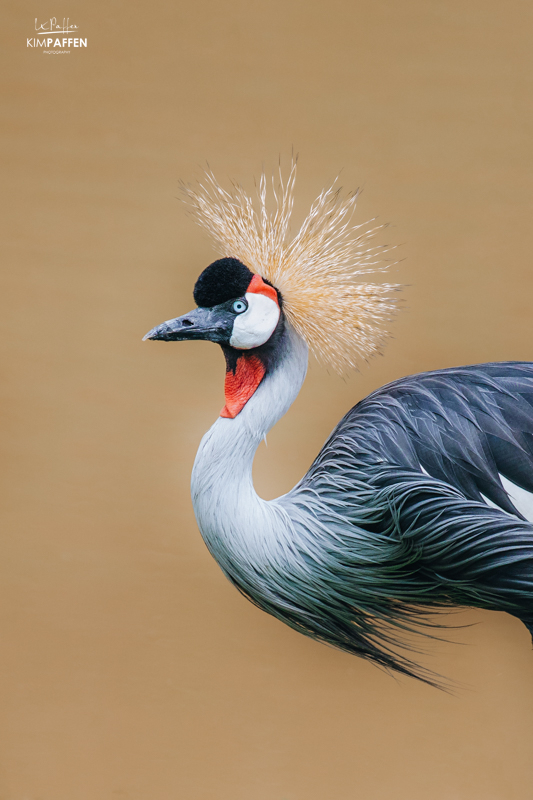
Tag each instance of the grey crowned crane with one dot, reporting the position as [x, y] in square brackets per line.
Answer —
[421, 498]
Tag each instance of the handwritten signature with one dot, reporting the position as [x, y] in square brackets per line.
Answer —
[51, 26]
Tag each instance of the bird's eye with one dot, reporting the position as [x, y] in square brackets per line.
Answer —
[239, 306]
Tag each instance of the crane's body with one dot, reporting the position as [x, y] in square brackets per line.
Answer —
[412, 502]
[422, 497]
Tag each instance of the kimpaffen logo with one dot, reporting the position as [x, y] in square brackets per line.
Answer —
[50, 30]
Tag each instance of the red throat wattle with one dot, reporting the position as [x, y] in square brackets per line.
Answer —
[240, 384]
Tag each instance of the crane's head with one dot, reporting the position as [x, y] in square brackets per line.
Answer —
[317, 274]
[240, 311]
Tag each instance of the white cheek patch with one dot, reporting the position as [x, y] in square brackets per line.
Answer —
[257, 324]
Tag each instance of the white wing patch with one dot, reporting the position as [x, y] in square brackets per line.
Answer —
[257, 324]
[520, 498]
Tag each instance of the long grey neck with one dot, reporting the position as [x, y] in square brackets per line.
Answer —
[234, 521]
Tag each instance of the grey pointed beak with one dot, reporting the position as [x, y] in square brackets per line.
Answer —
[201, 323]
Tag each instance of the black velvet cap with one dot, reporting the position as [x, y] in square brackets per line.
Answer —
[220, 281]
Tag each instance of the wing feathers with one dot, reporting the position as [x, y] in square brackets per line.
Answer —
[404, 481]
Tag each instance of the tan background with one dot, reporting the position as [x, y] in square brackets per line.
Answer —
[129, 667]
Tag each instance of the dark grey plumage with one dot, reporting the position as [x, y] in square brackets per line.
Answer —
[393, 518]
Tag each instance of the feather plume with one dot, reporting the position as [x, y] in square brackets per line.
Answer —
[318, 272]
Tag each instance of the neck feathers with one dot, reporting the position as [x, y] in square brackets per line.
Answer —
[232, 519]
